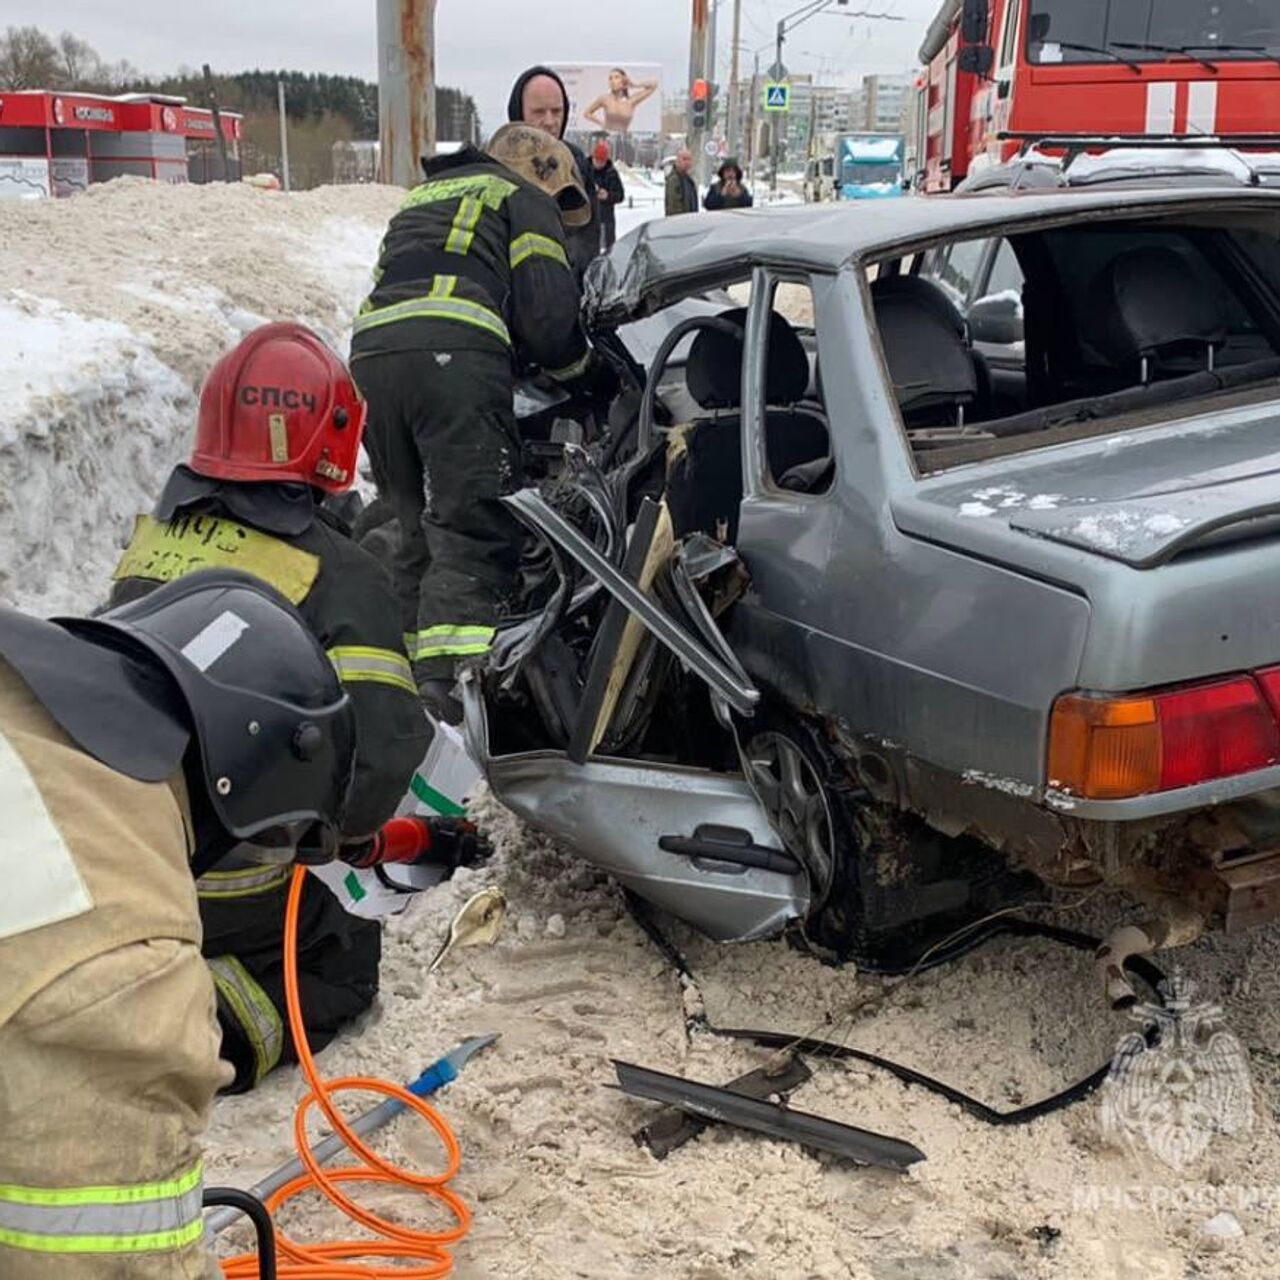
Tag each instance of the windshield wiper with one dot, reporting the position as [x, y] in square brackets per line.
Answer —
[1093, 48]
[1271, 55]
[1187, 51]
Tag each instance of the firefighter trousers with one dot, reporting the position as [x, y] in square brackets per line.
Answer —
[445, 448]
[338, 960]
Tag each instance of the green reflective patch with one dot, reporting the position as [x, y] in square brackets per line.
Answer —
[491, 191]
[167, 552]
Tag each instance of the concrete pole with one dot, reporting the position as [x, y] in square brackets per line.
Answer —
[696, 140]
[713, 52]
[284, 139]
[406, 89]
[735, 90]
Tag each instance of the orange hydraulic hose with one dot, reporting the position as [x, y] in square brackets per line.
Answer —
[337, 1261]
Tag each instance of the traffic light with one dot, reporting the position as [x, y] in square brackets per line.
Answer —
[700, 106]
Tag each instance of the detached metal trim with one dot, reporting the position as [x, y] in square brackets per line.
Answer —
[723, 1106]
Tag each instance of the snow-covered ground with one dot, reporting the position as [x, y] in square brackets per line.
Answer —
[112, 307]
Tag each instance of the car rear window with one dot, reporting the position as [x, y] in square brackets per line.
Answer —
[1006, 344]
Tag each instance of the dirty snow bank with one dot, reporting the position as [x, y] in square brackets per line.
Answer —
[113, 307]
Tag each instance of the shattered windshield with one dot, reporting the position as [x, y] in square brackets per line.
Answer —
[1072, 30]
[867, 175]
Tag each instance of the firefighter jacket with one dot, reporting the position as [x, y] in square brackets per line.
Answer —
[476, 259]
[279, 534]
[108, 1044]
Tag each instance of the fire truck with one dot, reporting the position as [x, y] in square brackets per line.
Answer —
[1000, 75]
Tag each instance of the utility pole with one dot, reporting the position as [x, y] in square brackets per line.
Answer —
[734, 88]
[284, 139]
[713, 35]
[751, 122]
[778, 71]
[406, 88]
[212, 93]
[697, 71]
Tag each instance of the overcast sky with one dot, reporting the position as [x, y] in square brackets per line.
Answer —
[481, 44]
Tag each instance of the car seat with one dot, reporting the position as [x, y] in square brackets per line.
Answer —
[1150, 313]
[704, 488]
[926, 346]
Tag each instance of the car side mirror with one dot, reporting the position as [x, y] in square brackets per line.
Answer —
[997, 320]
[977, 60]
[974, 20]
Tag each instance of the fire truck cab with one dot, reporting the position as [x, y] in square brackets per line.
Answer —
[1001, 74]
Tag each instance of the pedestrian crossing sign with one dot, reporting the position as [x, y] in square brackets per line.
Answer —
[777, 97]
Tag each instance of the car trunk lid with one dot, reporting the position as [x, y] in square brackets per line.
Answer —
[1141, 499]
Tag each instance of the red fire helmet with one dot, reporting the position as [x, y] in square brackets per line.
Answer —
[280, 406]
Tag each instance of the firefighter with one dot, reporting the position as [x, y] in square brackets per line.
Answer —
[136, 748]
[280, 426]
[473, 277]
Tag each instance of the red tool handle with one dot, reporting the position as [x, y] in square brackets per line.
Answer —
[402, 840]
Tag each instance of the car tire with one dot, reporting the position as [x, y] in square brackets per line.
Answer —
[890, 894]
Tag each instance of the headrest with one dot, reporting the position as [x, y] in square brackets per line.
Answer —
[926, 346]
[713, 371]
[1149, 302]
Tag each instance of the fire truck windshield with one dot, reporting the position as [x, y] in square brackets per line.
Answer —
[1152, 30]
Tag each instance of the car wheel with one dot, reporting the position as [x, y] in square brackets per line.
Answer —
[886, 890]
[793, 795]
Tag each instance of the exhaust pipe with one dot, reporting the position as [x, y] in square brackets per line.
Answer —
[1156, 933]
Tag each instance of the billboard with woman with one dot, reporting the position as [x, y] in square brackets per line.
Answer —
[614, 98]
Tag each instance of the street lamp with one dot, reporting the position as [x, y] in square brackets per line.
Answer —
[789, 22]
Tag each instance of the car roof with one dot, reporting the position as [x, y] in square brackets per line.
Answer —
[1147, 166]
[671, 257]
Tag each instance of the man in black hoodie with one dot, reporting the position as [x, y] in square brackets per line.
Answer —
[540, 99]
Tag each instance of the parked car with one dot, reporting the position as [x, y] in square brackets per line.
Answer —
[861, 626]
[820, 180]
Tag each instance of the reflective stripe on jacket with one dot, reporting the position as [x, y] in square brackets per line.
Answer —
[476, 246]
[155, 1217]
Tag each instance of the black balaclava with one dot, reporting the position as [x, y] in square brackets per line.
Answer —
[515, 107]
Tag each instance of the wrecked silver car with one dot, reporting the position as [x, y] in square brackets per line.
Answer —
[884, 594]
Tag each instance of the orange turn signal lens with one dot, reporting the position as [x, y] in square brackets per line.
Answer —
[1115, 748]
[1105, 748]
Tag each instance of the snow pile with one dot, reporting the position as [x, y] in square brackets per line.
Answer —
[114, 307]
[88, 427]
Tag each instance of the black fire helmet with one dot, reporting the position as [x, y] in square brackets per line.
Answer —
[217, 656]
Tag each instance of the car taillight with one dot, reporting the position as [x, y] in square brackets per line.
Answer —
[1116, 748]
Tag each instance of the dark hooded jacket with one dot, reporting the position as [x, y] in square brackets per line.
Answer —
[583, 242]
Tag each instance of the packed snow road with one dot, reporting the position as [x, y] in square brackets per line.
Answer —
[113, 306]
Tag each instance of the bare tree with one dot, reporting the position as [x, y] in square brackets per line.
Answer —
[29, 60]
[81, 66]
